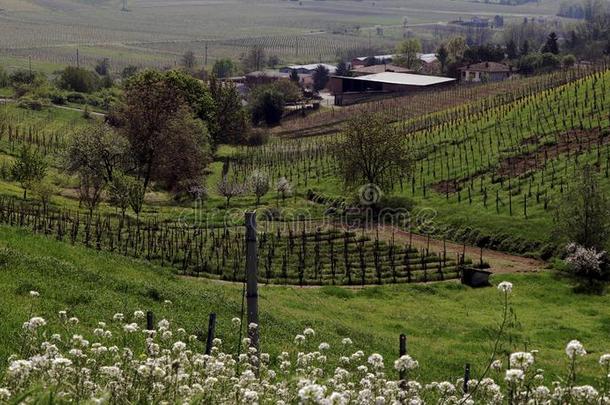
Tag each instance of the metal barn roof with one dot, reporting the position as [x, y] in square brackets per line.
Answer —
[403, 78]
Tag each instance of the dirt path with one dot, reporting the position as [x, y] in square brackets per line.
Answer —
[500, 262]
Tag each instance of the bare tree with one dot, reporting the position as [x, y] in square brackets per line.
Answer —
[189, 60]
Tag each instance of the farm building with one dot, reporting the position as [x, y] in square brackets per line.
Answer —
[485, 71]
[351, 90]
[379, 59]
[369, 70]
[307, 69]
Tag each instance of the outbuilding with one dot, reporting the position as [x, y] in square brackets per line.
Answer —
[351, 90]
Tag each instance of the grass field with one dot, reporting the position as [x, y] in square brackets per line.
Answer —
[447, 324]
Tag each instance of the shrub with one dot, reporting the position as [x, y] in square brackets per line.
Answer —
[30, 104]
[257, 137]
[76, 98]
[78, 79]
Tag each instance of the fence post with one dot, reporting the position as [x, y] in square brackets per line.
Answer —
[211, 333]
[466, 377]
[149, 320]
[402, 351]
[252, 277]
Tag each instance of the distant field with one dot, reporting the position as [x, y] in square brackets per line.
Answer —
[156, 33]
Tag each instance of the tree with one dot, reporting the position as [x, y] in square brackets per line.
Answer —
[137, 192]
[118, 192]
[29, 167]
[342, 69]
[3, 78]
[78, 79]
[96, 149]
[129, 71]
[189, 61]
[157, 116]
[185, 152]
[223, 68]
[442, 55]
[259, 184]
[583, 216]
[283, 188]
[102, 67]
[320, 77]
[568, 61]
[511, 50]
[255, 59]
[231, 120]
[294, 76]
[230, 188]
[273, 61]
[370, 150]
[551, 46]
[90, 188]
[266, 105]
[406, 53]
[456, 47]
[44, 190]
[525, 48]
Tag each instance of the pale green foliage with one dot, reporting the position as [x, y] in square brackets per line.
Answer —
[29, 167]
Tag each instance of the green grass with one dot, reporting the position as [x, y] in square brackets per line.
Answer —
[447, 324]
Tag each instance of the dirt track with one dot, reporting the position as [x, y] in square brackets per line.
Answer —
[500, 262]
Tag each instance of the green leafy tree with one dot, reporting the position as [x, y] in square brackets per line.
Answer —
[320, 77]
[230, 118]
[551, 46]
[266, 105]
[156, 115]
[78, 79]
[119, 192]
[29, 167]
[370, 150]
[406, 53]
[342, 69]
[583, 216]
[223, 68]
[525, 47]
[443, 56]
[96, 148]
[44, 190]
[294, 76]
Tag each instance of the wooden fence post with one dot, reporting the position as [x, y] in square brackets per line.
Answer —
[402, 350]
[149, 321]
[466, 377]
[211, 333]
[252, 277]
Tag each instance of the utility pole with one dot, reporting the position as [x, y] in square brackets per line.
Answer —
[252, 277]
[206, 54]
[77, 59]
[30, 64]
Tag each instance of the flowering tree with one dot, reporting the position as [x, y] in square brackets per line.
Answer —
[587, 265]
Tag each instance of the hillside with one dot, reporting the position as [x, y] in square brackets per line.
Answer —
[447, 324]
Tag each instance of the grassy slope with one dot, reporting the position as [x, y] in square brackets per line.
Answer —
[447, 324]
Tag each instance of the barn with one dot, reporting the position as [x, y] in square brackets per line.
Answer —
[352, 90]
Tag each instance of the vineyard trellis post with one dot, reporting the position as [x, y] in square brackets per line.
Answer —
[252, 277]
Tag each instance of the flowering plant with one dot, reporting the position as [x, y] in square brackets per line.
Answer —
[124, 362]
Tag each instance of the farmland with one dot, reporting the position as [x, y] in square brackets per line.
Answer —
[157, 33]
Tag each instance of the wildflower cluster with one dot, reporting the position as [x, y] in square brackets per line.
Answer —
[125, 362]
